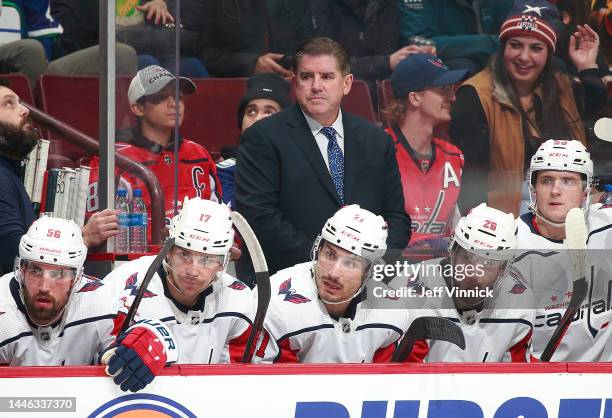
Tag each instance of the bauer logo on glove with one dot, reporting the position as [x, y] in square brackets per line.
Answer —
[139, 354]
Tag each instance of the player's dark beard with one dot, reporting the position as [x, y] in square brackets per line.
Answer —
[15, 141]
[42, 316]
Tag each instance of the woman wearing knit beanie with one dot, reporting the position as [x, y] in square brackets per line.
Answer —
[520, 100]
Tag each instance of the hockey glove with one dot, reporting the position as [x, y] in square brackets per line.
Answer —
[138, 355]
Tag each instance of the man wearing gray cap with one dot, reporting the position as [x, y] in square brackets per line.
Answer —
[152, 99]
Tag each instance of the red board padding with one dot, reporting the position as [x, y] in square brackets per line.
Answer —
[320, 369]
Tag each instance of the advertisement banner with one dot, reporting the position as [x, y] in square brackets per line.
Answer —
[436, 391]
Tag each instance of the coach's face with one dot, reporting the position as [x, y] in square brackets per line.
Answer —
[320, 86]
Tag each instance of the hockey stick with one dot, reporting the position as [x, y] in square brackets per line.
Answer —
[262, 279]
[575, 240]
[428, 328]
[145, 283]
[603, 129]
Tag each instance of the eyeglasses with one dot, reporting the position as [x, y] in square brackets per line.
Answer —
[207, 261]
[34, 274]
[328, 258]
[566, 183]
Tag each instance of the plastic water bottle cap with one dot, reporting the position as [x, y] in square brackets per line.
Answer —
[122, 193]
[137, 193]
[608, 188]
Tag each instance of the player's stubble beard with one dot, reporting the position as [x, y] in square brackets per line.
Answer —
[16, 141]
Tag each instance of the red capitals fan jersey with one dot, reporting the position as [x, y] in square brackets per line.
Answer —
[197, 173]
[431, 187]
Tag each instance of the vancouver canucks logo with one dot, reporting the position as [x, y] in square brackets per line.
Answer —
[290, 295]
[130, 284]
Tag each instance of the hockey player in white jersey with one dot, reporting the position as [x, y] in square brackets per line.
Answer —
[316, 313]
[213, 310]
[476, 288]
[53, 315]
[560, 177]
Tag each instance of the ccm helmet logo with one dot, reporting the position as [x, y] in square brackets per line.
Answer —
[198, 237]
[557, 154]
[349, 235]
[484, 244]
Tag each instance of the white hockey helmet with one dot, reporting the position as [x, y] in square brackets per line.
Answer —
[358, 231]
[488, 232]
[54, 241]
[562, 155]
[203, 226]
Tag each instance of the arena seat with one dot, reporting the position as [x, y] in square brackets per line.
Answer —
[359, 101]
[74, 100]
[21, 86]
[210, 116]
[385, 97]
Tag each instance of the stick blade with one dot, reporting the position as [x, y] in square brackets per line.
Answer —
[259, 261]
[443, 330]
[575, 241]
[603, 129]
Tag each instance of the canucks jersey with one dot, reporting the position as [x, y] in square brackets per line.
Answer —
[86, 329]
[214, 330]
[546, 267]
[431, 187]
[299, 328]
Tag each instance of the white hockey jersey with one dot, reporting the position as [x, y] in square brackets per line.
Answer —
[499, 332]
[215, 330]
[545, 265]
[298, 327]
[86, 329]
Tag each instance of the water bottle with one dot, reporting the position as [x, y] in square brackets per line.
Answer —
[606, 198]
[122, 240]
[138, 223]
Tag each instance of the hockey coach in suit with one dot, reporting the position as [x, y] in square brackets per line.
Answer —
[296, 168]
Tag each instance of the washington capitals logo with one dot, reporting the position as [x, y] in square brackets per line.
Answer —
[528, 23]
[518, 288]
[91, 285]
[237, 285]
[130, 284]
[290, 295]
[438, 63]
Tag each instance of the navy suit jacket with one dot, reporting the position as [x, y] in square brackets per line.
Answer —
[285, 191]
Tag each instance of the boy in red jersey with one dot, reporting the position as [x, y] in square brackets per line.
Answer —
[152, 100]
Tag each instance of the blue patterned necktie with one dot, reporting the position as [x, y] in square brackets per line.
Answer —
[336, 160]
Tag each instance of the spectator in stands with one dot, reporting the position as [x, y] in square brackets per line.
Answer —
[17, 139]
[298, 167]
[266, 94]
[150, 29]
[465, 32]
[151, 142]
[573, 13]
[368, 29]
[245, 37]
[506, 111]
[423, 86]
[26, 23]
